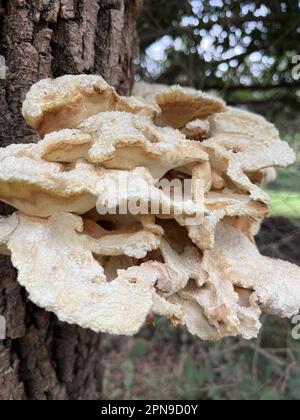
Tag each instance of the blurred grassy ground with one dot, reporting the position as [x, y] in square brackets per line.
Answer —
[163, 363]
[285, 204]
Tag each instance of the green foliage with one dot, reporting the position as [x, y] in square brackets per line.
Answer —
[233, 369]
[194, 379]
[128, 371]
[235, 46]
[139, 349]
[270, 394]
[285, 204]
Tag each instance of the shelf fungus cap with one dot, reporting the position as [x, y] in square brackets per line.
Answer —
[138, 106]
[180, 268]
[179, 106]
[139, 194]
[217, 311]
[120, 140]
[41, 188]
[241, 285]
[242, 143]
[102, 239]
[275, 284]
[218, 206]
[53, 104]
[147, 91]
[7, 228]
[128, 241]
[56, 264]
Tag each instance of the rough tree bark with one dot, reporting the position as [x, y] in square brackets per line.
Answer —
[42, 358]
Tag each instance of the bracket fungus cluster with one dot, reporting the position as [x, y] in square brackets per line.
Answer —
[112, 272]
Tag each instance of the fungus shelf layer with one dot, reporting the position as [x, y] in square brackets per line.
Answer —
[192, 259]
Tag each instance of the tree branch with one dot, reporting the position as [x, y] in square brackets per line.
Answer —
[282, 85]
[276, 101]
[229, 21]
[150, 37]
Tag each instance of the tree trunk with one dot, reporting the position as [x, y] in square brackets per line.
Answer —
[40, 357]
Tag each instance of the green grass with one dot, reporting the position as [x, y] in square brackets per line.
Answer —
[285, 204]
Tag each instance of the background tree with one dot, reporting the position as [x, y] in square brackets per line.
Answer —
[230, 46]
[40, 357]
[242, 50]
